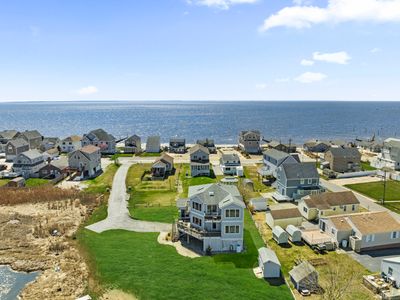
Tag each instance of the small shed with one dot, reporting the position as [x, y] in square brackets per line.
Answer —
[269, 263]
[239, 171]
[259, 204]
[304, 276]
[248, 184]
[280, 235]
[294, 233]
[390, 267]
[16, 182]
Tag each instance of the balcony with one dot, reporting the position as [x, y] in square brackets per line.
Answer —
[195, 232]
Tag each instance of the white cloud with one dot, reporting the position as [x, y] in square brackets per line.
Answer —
[306, 62]
[222, 4]
[336, 11]
[375, 50]
[88, 90]
[261, 86]
[309, 77]
[341, 57]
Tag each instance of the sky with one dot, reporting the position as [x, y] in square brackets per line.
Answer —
[199, 50]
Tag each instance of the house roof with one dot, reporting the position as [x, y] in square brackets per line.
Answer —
[229, 157]
[327, 200]
[32, 154]
[285, 213]
[340, 223]
[19, 142]
[392, 142]
[245, 133]
[259, 203]
[177, 140]
[182, 202]
[313, 143]
[268, 255]
[52, 151]
[89, 149]
[276, 154]
[100, 134]
[31, 134]
[344, 152]
[395, 260]
[60, 163]
[206, 142]
[166, 158]
[73, 138]
[198, 147]
[300, 170]
[301, 271]
[8, 134]
[374, 222]
[214, 193]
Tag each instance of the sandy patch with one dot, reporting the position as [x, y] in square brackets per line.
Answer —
[117, 295]
[162, 239]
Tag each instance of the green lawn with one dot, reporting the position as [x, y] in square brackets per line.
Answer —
[189, 181]
[152, 200]
[251, 172]
[148, 154]
[366, 166]
[100, 184]
[375, 189]
[136, 263]
[4, 181]
[34, 182]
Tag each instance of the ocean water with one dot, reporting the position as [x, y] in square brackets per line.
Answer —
[12, 283]
[281, 120]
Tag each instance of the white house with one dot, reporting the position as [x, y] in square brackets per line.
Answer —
[390, 267]
[199, 161]
[390, 155]
[229, 163]
[71, 143]
[213, 216]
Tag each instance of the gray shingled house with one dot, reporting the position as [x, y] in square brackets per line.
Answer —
[133, 144]
[294, 181]
[153, 144]
[33, 137]
[177, 145]
[86, 161]
[343, 160]
[102, 139]
[250, 141]
[199, 161]
[15, 147]
[28, 163]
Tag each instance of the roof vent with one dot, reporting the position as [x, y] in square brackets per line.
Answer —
[211, 194]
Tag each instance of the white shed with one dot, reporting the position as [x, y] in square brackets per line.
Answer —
[280, 235]
[269, 263]
[294, 233]
[391, 268]
[259, 204]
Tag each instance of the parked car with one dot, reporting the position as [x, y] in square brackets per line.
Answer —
[305, 292]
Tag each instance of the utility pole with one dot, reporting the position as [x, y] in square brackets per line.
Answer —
[385, 171]
[290, 145]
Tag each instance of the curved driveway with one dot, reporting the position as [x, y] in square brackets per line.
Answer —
[118, 216]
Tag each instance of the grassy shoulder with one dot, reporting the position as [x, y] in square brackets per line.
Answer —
[102, 183]
[366, 166]
[34, 182]
[375, 189]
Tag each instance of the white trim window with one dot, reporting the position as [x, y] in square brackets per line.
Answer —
[369, 238]
[394, 234]
[232, 213]
[232, 229]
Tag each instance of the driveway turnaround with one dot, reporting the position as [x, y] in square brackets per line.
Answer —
[118, 216]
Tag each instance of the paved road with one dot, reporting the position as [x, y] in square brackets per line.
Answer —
[118, 214]
[366, 202]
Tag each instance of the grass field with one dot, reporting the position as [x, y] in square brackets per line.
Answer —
[145, 154]
[34, 182]
[251, 172]
[154, 271]
[4, 181]
[366, 166]
[100, 184]
[189, 181]
[152, 200]
[375, 189]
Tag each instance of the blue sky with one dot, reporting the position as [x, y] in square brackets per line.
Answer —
[200, 50]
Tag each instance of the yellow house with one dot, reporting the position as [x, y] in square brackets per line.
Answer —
[314, 207]
[283, 217]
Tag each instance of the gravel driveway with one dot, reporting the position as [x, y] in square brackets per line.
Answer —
[118, 214]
